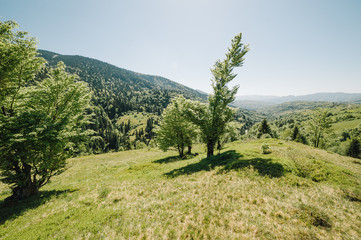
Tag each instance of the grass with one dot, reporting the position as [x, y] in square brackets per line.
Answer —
[346, 125]
[345, 117]
[294, 192]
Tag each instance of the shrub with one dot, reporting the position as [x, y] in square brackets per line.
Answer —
[266, 149]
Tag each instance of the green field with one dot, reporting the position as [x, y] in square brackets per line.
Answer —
[346, 125]
[295, 192]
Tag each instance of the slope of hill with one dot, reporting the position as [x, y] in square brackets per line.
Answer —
[295, 192]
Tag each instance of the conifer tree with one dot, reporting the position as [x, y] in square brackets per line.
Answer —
[264, 128]
[354, 149]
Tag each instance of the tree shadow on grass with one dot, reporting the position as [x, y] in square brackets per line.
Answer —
[174, 159]
[13, 210]
[231, 160]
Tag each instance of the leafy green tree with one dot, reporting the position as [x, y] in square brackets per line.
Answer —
[174, 129]
[41, 121]
[18, 64]
[319, 125]
[212, 118]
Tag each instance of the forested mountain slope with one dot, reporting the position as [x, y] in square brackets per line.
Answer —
[119, 90]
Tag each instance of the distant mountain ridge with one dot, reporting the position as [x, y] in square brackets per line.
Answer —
[257, 101]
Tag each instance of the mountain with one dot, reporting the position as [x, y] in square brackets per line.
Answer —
[117, 92]
[254, 102]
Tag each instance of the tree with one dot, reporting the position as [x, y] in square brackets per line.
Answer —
[297, 136]
[213, 117]
[41, 120]
[295, 133]
[354, 149]
[18, 64]
[174, 129]
[318, 126]
[149, 134]
[264, 128]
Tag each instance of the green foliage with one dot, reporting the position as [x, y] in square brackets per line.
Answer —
[174, 129]
[41, 121]
[354, 149]
[266, 149]
[212, 118]
[264, 128]
[18, 65]
[297, 136]
[318, 126]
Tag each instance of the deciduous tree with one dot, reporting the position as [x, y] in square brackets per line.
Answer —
[174, 129]
[213, 117]
[319, 124]
[40, 120]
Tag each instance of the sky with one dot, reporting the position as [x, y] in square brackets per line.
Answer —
[297, 47]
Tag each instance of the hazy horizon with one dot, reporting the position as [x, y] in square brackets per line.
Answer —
[297, 47]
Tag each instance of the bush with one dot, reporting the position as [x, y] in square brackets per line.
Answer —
[266, 149]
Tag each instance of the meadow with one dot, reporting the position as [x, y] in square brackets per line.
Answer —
[293, 192]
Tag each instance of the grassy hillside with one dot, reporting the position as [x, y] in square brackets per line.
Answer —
[294, 192]
[346, 117]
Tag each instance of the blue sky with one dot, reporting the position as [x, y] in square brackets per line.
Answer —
[297, 47]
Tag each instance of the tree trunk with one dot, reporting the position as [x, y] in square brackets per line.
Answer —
[24, 192]
[29, 188]
[219, 146]
[181, 150]
[189, 150]
[210, 148]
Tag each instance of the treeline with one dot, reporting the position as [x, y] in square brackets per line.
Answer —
[336, 129]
